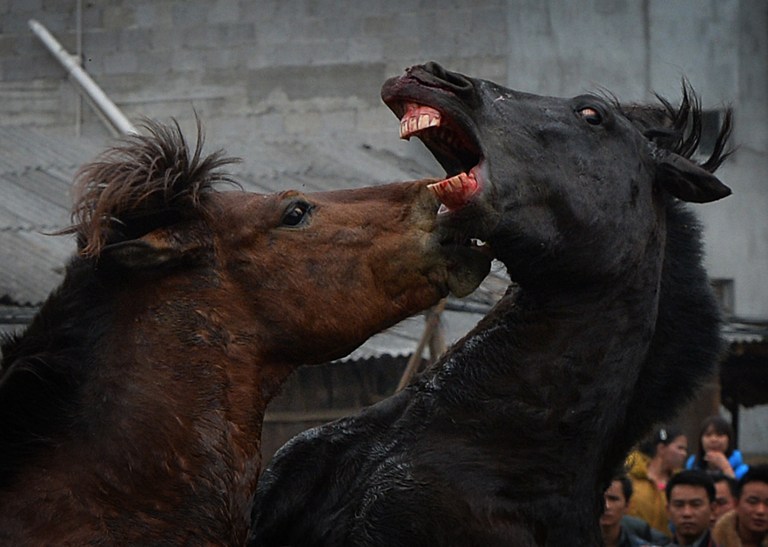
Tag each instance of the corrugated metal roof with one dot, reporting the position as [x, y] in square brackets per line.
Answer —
[742, 331]
[37, 169]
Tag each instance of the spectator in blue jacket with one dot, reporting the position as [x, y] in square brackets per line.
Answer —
[717, 453]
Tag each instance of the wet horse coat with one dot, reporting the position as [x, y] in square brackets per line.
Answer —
[609, 325]
[131, 408]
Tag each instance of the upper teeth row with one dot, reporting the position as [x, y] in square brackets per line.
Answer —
[410, 125]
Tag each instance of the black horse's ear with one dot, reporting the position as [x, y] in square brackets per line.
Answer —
[154, 250]
[687, 181]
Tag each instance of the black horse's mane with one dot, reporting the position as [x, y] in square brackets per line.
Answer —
[142, 184]
[679, 129]
[687, 344]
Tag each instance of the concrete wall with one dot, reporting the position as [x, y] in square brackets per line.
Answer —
[314, 67]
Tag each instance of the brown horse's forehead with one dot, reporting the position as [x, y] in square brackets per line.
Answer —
[239, 202]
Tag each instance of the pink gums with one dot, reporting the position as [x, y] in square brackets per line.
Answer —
[455, 192]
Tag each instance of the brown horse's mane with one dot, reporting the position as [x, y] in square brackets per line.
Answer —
[678, 129]
[143, 183]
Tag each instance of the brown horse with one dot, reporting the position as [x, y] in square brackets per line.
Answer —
[131, 408]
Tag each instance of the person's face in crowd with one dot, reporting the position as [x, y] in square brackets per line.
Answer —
[675, 452]
[615, 505]
[689, 510]
[752, 509]
[724, 500]
[711, 440]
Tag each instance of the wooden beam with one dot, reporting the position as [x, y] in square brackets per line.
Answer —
[432, 323]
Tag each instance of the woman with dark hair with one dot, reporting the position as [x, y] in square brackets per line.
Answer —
[717, 453]
[650, 467]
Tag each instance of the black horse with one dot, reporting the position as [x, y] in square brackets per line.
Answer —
[610, 325]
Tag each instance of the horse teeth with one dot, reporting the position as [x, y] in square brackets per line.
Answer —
[427, 121]
[411, 123]
[437, 188]
[455, 181]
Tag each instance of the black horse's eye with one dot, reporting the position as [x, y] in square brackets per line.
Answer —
[296, 214]
[591, 115]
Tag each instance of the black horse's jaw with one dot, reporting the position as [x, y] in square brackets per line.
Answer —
[453, 148]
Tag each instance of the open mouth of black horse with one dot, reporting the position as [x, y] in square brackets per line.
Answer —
[453, 146]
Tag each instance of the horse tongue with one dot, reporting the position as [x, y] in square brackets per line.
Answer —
[455, 192]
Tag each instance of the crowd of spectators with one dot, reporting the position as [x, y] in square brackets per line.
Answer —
[710, 499]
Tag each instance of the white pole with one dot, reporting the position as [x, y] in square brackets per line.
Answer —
[79, 60]
[83, 80]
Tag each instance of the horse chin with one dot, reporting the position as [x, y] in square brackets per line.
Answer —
[468, 270]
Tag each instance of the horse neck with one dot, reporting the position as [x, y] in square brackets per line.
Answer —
[583, 374]
[147, 408]
[544, 357]
[193, 362]
[554, 358]
[687, 343]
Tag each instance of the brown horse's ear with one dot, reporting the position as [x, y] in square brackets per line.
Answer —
[687, 181]
[154, 250]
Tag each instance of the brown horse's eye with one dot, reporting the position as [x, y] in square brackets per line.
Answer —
[295, 214]
[591, 115]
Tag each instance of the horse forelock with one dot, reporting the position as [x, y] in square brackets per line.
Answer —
[679, 128]
[143, 183]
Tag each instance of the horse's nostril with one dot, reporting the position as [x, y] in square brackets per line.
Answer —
[454, 81]
[434, 68]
